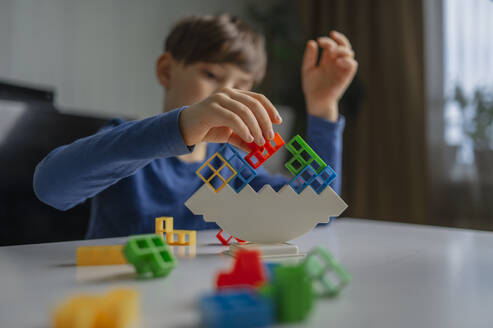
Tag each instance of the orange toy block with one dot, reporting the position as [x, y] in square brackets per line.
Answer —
[164, 225]
[117, 309]
[100, 255]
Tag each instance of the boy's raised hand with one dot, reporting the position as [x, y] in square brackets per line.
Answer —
[230, 115]
[325, 83]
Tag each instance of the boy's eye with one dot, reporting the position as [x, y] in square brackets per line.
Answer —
[210, 75]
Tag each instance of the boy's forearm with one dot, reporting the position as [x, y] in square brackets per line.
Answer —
[325, 138]
[72, 173]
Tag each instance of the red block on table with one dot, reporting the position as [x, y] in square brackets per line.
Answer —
[225, 241]
[262, 153]
[247, 271]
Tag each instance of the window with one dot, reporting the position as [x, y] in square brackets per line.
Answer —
[468, 64]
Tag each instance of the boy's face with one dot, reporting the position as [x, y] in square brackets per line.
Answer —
[189, 84]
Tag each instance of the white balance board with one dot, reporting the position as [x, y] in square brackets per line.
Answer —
[266, 216]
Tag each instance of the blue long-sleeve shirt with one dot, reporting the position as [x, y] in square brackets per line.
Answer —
[131, 172]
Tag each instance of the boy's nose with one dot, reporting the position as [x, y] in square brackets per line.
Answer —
[226, 84]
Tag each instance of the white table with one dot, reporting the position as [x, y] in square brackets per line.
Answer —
[402, 276]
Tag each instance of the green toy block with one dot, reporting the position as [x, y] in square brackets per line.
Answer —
[295, 165]
[150, 256]
[267, 291]
[327, 276]
[303, 155]
[292, 293]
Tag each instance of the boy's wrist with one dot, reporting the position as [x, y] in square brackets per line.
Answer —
[328, 111]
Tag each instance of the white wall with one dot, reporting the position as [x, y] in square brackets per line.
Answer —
[99, 55]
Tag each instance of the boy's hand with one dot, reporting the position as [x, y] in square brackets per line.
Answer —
[325, 83]
[230, 115]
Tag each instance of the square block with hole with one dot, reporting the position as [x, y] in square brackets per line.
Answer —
[303, 154]
[303, 179]
[323, 179]
[259, 154]
[150, 255]
[328, 277]
[219, 167]
[245, 173]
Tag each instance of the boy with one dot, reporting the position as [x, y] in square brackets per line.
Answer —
[136, 171]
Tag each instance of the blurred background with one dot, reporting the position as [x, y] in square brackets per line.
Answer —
[419, 134]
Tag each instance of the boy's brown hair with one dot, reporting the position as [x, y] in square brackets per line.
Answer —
[218, 39]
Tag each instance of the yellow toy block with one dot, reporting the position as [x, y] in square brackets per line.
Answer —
[100, 255]
[216, 172]
[117, 309]
[182, 238]
[164, 225]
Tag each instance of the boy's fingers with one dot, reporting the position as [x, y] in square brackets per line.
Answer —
[332, 50]
[245, 113]
[342, 52]
[236, 141]
[225, 117]
[346, 63]
[341, 39]
[310, 56]
[328, 45]
[326, 42]
[271, 110]
[257, 109]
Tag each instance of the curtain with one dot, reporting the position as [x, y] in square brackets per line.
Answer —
[385, 173]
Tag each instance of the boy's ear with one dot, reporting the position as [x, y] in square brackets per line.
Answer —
[163, 68]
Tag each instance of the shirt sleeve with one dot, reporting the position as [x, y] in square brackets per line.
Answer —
[72, 173]
[325, 138]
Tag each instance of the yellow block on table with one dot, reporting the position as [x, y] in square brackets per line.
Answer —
[100, 255]
[117, 309]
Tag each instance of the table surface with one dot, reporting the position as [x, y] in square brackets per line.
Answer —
[402, 276]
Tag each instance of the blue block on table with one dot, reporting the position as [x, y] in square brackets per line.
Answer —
[236, 308]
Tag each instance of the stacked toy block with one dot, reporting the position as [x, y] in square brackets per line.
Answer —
[254, 294]
[259, 154]
[307, 167]
[227, 166]
[164, 228]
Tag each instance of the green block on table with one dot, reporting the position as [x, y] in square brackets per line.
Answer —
[328, 277]
[292, 293]
[267, 291]
[150, 256]
[303, 155]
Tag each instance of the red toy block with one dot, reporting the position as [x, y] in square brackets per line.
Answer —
[247, 271]
[225, 241]
[262, 153]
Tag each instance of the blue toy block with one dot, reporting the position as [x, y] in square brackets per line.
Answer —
[236, 308]
[245, 173]
[270, 269]
[323, 179]
[303, 179]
